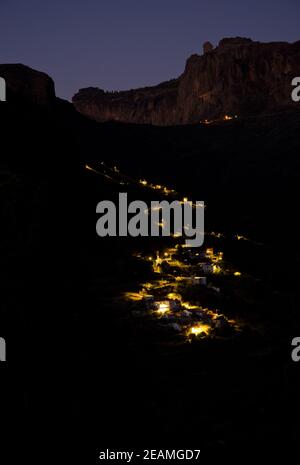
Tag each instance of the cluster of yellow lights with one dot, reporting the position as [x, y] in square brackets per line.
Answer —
[160, 284]
[166, 257]
[177, 264]
[241, 238]
[157, 187]
[136, 296]
[189, 306]
[218, 235]
[225, 118]
[174, 296]
[214, 257]
[198, 329]
[168, 191]
[217, 269]
[163, 308]
[228, 117]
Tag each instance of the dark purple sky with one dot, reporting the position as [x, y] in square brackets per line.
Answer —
[121, 44]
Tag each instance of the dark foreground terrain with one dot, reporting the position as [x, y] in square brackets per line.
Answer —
[89, 373]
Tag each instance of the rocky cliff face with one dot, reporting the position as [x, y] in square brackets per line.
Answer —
[24, 84]
[238, 77]
[155, 105]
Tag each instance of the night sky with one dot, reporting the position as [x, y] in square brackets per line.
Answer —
[122, 44]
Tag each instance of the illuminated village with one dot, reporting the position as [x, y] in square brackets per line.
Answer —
[182, 278]
[164, 298]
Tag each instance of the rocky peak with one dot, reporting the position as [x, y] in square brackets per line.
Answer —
[26, 84]
[207, 47]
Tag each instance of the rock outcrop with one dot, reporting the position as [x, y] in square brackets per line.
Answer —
[238, 77]
[207, 47]
[24, 84]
